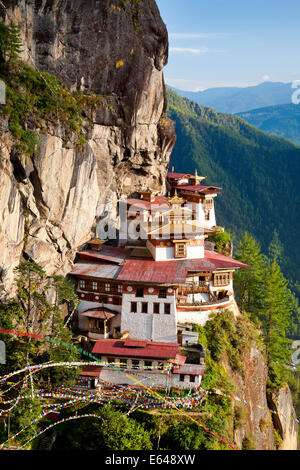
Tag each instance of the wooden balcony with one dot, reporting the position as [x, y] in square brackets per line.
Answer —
[194, 288]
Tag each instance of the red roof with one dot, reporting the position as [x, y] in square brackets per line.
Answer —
[200, 188]
[148, 205]
[118, 348]
[102, 313]
[107, 253]
[177, 176]
[91, 371]
[132, 343]
[161, 272]
[179, 360]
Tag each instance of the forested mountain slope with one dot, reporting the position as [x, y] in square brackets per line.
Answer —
[283, 120]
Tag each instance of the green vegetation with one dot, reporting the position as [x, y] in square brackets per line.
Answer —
[115, 432]
[38, 101]
[263, 291]
[282, 120]
[32, 313]
[258, 173]
[221, 241]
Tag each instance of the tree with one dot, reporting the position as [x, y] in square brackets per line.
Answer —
[276, 310]
[248, 282]
[116, 432]
[31, 311]
[10, 43]
[276, 249]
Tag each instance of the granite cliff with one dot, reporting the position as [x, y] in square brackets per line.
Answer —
[116, 50]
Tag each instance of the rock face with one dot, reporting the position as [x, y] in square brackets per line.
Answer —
[113, 48]
[258, 425]
[285, 418]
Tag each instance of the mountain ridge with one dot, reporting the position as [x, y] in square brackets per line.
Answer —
[233, 100]
[282, 121]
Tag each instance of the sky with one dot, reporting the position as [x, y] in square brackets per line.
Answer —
[231, 42]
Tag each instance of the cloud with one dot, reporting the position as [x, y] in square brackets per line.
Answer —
[188, 50]
[266, 78]
[198, 35]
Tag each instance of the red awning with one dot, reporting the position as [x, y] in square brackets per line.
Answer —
[151, 350]
[101, 313]
[91, 371]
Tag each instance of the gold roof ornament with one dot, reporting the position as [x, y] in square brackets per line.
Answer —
[176, 199]
[96, 243]
[198, 178]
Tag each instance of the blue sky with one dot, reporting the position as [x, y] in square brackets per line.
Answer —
[231, 42]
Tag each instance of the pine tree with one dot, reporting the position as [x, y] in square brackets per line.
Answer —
[10, 43]
[276, 249]
[276, 310]
[14, 46]
[248, 282]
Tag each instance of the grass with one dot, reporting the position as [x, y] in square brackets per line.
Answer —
[35, 102]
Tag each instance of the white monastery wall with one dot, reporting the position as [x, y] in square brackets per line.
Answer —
[149, 326]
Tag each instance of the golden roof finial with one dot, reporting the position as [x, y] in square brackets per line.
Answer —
[173, 169]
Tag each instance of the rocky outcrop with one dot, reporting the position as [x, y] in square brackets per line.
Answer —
[284, 418]
[116, 49]
[257, 428]
[251, 384]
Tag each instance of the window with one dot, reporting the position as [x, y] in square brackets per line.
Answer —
[120, 288]
[192, 378]
[167, 309]
[148, 363]
[94, 285]
[162, 293]
[139, 292]
[81, 284]
[180, 250]
[107, 287]
[133, 307]
[207, 216]
[181, 377]
[111, 360]
[222, 279]
[208, 204]
[156, 308]
[104, 299]
[160, 366]
[135, 364]
[144, 307]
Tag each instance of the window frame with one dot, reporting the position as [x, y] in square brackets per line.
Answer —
[180, 250]
[145, 307]
[156, 304]
[167, 306]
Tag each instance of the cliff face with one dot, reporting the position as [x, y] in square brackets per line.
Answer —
[262, 429]
[116, 49]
